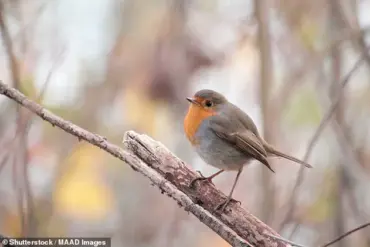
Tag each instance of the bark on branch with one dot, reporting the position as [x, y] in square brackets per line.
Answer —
[172, 176]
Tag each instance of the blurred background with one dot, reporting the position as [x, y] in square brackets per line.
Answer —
[117, 65]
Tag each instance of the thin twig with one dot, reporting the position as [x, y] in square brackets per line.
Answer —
[346, 234]
[354, 206]
[314, 139]
[4, 161]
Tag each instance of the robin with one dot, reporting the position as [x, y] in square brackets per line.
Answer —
[225, 137]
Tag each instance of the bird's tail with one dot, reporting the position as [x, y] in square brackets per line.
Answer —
[267, 164]
[275, 152]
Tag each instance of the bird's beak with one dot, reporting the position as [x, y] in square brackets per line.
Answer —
[191, 100]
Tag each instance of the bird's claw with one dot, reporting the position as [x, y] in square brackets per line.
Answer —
[222, 206]
[201, 178]
[236, 201]
[192, 183]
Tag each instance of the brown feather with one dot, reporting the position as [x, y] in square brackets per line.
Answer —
[272, 151]
[245, 141]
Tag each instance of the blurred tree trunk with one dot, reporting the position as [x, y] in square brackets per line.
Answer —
[21, 181]
[266, 77]
[339, 21]
[335, 26]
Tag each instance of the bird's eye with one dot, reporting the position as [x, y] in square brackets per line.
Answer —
[208, 103]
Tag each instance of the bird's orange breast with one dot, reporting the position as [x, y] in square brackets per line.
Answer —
[193, 119]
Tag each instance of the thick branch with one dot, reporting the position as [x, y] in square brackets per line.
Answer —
[167, 172]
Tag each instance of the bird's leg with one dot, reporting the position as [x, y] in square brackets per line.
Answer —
[202, 178]
[223, 204]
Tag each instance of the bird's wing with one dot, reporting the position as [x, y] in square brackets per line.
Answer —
[245, 120]
[243, 139]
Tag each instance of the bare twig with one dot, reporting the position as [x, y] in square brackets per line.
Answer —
[55, 65]
[314, 139]
[355, 208]
[237, 226]
[4, 161]
[346, 234]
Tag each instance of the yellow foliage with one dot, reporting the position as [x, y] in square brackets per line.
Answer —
[12, 225]
[28, 86]
[303, 108]
[324, 207]
[80, 192]
[308, 33]
[139, 109]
